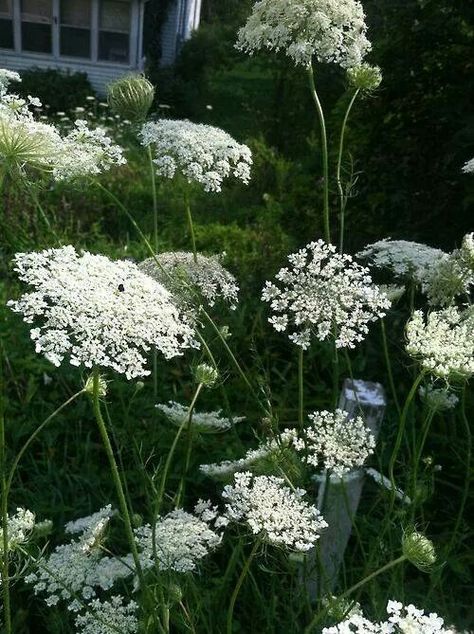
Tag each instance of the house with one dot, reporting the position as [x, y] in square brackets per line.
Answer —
[103, 38]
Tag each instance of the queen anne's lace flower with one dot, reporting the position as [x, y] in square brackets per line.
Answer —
[269, 452]
[468, 167]
[335, 442]
[438, 399]
[202, 421]
[6, 77]
[326, 294]
[401, 620]
[443, 342]
[184, 275]
[329, 30]
[99, 312]
[201, 153]
[181, 539]
[273, 511]
[108, 617]
[20, 526]
[407, 260]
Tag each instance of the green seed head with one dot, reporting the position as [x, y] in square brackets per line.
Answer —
[419, 550]
[131, 97]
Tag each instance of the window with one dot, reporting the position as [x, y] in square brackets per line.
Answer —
[6, 24]
[114, 31]
[36, 25]
[75, 25]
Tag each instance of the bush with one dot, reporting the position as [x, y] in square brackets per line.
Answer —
[60, 90]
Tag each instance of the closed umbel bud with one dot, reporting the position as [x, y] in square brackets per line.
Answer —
[131, 97]
[365, 77]
[419, 550]
[206, 374]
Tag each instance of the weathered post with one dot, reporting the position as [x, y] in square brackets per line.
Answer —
[340, 496]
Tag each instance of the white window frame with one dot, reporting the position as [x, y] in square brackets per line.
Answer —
[135, 37]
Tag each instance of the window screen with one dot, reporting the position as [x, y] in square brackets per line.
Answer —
[75, 25]
[6, 24]
[114, 31]
[36, 23]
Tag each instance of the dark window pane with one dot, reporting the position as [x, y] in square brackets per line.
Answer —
[115, 16]
[6, 33]
[75, 42]
[36, 37]
[114, 47]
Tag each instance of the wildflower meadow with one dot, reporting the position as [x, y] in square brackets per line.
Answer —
[226, 406]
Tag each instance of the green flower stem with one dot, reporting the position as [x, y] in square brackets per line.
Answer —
[324, 153]
[417, 458]
[5, 573]
[388, 365]
[235, 593]
[301, 387]
[116, 476]
[190, 223]
[155, 198]
[342, 197]
[319, 616]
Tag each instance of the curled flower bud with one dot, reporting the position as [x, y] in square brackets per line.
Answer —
[365, 77]
[419, 550]
[131, 97]
[89, 386]
[206, 374]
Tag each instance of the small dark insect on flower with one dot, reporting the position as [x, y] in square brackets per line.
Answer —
[121, 288]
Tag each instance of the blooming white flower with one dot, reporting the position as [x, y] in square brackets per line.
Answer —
[326, 294]
[20, 526]
[409, 260]
[443, 342]
[335, 442]
[6, 77]
[273, 511]
[182, 274]
[401, 620]
[438, 399]
[468, 167]
[270, 451]
[181, 539]
[201, 153]
[109, 617]
[98, 312]
[202, 421]
[328, 30]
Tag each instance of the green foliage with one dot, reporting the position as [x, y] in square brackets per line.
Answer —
[58, 90]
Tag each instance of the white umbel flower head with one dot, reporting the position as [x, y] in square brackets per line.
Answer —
[335, 442]
[109, 617]
[6, 77]
[98, 312]
[468, 167]
[210, 422]
[325, 294]
[20, 527]
[405, 259]
[443, 342]
[400, 620]
[185, 275]
[327, 30]
[181, 539]
[201, 153]
[273, 511]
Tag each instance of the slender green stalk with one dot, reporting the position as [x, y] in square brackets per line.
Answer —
[418, 453]
[342, 197]
[318, 617]
[235, 593]
[190, 223]
[115, 476]
[388, 365]
[301, 387]
[155, 198]
[324, 154]
[5, 573]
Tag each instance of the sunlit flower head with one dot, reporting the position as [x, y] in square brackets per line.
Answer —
[98, 312]
[326, 295]
[468, 167]
[19, 528]
[108, 617]
[6, 77]
[200, 421]
[273, 511]
[324, 30]
[201, 153]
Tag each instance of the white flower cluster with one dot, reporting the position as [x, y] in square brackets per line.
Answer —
[329, 30]
[326, 294]
[202, 421]
[335, 442]
[181, 539]
[29, 144]
[201, 153]
[109, 617]
[183, 274]
[99, 312]
[401, 620]
[407, 260]
[269, 450]
[438, 399]
[273, 511]
[468, 167]
[20, 526]
[443, 342]
[6, 77]
[78, 567]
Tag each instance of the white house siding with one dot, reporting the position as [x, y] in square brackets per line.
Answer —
[183, 18]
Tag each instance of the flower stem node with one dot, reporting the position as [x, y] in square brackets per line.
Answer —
[206, 375]
[419, 550]
[131, 97]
